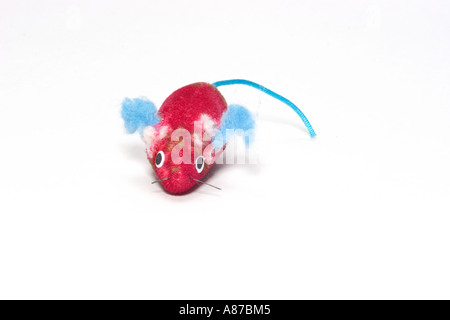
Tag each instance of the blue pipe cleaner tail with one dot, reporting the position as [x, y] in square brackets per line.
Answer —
[272, 94]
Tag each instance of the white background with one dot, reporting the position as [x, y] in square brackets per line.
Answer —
[362, 211]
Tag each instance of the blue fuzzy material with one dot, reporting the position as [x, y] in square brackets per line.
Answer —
[236, 117]
[138, 113]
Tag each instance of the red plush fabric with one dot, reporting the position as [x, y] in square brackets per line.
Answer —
[180, 110]
[186, 104]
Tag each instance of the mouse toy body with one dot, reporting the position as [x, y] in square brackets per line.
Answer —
[186, 135]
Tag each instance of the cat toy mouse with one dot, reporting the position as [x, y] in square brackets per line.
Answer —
[190, 131]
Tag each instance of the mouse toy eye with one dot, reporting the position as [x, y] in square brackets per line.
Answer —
[159, 159]
[199, 164]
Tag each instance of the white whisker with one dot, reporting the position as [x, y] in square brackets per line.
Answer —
[205, 183]
[159, 180]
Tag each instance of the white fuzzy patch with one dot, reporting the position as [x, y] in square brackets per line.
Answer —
[163, 132]
[148, 135]
[209, 125]
[204, 128]
[198, 140]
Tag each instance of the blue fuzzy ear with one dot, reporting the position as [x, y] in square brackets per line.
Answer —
[236, 117]
[138, 113]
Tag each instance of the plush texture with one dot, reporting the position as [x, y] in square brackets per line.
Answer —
[237, 117]
[138, 113]
[187, 104]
